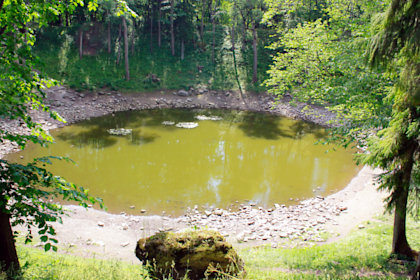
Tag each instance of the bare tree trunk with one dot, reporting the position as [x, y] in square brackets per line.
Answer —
[399, 240]
[254, 46]
[244, 29]
[232, 36]
[416, 272]
[8, 255]
[151, 27]
[213, 29]
[127, 67]
[118, 44]
[182, 49]
[109, 37]
[80, 43]
[159, 18]
[133, 37]
[172, 29]
[67, 19]
[202, 21]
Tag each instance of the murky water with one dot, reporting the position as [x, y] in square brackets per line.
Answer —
[243, 158]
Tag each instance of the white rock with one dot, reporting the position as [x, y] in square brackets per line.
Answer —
[187, 125]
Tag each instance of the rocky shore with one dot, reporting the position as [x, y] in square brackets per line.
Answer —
[114, 235]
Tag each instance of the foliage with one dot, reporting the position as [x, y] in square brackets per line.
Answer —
[320, 62]
[27, 191]
[59, 59]
[396, 45]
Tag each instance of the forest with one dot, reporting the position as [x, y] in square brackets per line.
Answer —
[358, 59]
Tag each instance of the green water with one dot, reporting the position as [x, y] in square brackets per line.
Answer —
[244, 158]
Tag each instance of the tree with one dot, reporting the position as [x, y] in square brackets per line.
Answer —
[396, 148]
[321, 62]
[26, 190]
[126, 62]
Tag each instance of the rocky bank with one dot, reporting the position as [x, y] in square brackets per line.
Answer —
[107, 235]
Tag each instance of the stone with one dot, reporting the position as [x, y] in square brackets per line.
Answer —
[101, 224]
[125, 244]
[187, 125]
[189, 254]
[183, 93]
[119, 131]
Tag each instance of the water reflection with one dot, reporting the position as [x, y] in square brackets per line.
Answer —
[245, 157]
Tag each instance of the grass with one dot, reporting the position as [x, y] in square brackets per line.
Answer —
[364, 254]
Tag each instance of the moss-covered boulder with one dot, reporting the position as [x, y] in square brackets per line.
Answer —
[199, 254]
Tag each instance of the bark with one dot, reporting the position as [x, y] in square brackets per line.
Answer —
[202, 20]
[158, 22]
[172, 29]
[214, 38]
[232, 35]
[67, 19]
[109, 37]
[119, 45]
[182, 49]
[8, 255]
[244, 31]
[81, 44]
[127, 67]
[133, 40]
[254, 46]
[399, 240]
[151, 27]
[416, 272]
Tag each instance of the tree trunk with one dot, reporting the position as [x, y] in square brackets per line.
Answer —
[232, 36]
[182, 49]
[202, 21]
[8, 255]
[118, 44]
[133, 37]
[399, 240]
[67, 19]
[127, 67]
[214, 38]
[80, 43]
[244, 29]
[151, 28]
[254, 46]
[109, 37]
[172, 29]
[416, 272]
[158, 22]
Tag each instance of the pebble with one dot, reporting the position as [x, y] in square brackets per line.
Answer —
[101, 224]
[125, 244]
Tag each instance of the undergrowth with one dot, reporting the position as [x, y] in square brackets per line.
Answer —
[57, 49]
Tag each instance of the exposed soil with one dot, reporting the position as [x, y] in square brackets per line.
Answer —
[103, 235]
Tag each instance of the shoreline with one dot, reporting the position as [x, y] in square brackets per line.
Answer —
[100, 234]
